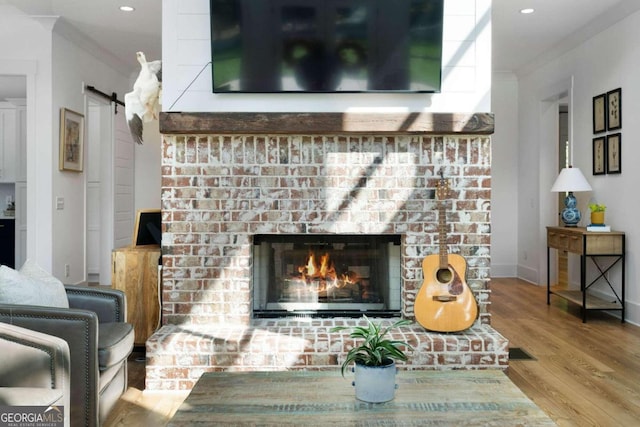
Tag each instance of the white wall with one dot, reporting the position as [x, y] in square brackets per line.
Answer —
[466, 73]
[148, 174]
[73, 65]
[603, 62]
[504, 176]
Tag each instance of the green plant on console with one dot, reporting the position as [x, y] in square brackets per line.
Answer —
[375, 349]
[597, 207]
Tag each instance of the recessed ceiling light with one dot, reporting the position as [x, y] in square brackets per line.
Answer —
[127, 8]
[527, 10]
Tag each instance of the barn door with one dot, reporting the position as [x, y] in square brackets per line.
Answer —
[110, 183]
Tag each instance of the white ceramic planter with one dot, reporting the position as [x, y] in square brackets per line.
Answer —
[375, 384]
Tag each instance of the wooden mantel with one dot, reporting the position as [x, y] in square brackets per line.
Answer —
[326, 123]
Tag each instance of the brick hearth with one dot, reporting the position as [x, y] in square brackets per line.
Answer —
[178, 354]
[229, 177]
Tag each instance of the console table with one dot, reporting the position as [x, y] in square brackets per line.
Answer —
[590, 245]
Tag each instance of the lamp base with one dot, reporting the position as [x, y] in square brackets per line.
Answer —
[570, 215]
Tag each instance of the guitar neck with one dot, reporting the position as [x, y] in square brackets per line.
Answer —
[442, 235]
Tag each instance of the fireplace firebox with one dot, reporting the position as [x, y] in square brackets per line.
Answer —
[326, 275]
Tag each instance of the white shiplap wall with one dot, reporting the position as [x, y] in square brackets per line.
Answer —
[466, 68]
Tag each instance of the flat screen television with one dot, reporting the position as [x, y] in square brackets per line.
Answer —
[326, 46]
[148, 228]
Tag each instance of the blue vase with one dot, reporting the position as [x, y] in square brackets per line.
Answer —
[570, 215]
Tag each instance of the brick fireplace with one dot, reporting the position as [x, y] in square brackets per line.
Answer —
[228, 177]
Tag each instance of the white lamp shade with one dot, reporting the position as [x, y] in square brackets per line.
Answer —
[570, 179]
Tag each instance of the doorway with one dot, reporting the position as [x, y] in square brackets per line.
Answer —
[13, 163]
[555, 109]
[563, 162]
[97, 189]
[109, 187]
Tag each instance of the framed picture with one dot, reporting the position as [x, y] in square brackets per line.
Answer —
[614, 151]
[71, 140]
[599, 157]
[614, 109]
[599, 113]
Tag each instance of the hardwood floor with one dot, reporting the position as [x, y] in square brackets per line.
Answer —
[585, 374]
[581, 375]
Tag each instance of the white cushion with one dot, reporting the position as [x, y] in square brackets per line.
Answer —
[31, 286]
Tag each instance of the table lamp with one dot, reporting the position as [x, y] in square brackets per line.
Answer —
[570, 180]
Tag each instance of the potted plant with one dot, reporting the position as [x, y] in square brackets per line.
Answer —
[597, 213]
[374, 358]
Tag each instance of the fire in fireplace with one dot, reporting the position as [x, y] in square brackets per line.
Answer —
[326, 275]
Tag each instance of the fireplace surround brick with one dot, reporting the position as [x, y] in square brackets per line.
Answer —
[219, 189]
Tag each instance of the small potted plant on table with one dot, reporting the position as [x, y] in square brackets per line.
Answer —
[597, 213]
[375, 367]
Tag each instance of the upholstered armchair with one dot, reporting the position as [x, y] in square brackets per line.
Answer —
[34, 369]
[99, 343]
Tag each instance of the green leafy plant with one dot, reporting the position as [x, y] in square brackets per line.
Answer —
[375, 350]
[597, 207]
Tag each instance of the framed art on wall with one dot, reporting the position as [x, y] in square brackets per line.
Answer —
[599, 157]
[614, 149]
[614, 109]
[71, 140]
[599, 113]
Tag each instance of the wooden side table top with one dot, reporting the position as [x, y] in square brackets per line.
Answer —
[485, 397]
[580, 241]
[580, 230]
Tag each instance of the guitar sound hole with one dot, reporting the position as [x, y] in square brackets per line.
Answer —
[444, 275]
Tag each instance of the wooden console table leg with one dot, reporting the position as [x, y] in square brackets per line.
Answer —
[548, 278]
[583, 284]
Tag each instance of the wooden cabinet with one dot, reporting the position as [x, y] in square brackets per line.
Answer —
[135, 271]
[7, 242]
[589, 245]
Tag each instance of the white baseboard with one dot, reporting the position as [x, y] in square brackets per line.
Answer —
[528, 274]
[503, 270]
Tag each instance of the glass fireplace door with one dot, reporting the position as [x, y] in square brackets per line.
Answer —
[326, 274]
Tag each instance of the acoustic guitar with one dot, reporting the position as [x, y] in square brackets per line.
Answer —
[445, 303]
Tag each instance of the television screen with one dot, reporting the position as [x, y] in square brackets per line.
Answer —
[147, 230]
[326, 45]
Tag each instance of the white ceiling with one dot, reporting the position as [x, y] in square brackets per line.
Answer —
[518, 40]
[555, 26]
[122, 33]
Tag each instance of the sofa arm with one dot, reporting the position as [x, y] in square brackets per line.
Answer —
[34, 370]
[79, 328]
[32, 359]
[109, 304]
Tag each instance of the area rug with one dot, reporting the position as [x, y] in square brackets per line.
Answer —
[423, 398]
